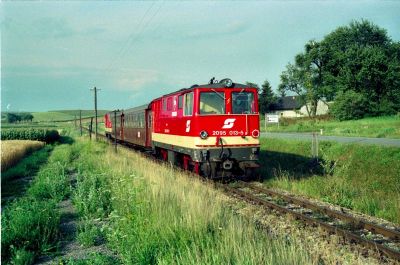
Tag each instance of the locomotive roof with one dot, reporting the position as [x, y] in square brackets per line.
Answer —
[215, 85]
[142, 107]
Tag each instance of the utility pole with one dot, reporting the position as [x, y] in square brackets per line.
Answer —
[115, 129]
[95, 108]
[80, 120]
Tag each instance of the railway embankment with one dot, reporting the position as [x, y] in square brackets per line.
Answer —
[124, 208]
[362, 178]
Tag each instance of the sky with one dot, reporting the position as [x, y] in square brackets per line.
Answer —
[53, 53]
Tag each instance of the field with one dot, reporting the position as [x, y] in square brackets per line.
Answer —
[13, 151]
[363, 178]
[381, 127]
[161, 216]
[167, 216]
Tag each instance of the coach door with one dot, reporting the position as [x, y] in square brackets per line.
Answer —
[149, 128]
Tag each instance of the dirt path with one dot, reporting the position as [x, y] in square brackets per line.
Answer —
[70, 248]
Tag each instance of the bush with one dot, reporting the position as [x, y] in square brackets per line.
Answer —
[349, 105]
[43, 135]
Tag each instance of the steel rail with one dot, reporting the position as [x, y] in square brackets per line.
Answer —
[309, 220]
[374, 228]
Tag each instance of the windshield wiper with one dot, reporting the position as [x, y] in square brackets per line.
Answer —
[223, 97]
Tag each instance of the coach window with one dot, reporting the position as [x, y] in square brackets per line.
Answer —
[169, 104]
[188, 111]
[164, 104]
[243, 103]
[212, 103]
[180, 102]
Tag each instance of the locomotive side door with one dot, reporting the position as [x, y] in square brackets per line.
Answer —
[149, 128]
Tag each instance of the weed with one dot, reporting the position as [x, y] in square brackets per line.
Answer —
[22, 257]
[89, 234]
[93, 259]
[29, 224]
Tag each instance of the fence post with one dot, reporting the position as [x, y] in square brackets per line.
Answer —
[80, 120]
[90, 127]
[314, 145]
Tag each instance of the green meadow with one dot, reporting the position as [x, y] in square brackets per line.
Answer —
[381, 127]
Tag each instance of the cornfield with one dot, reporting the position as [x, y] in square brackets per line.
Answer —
[14, 150]
[44, 135]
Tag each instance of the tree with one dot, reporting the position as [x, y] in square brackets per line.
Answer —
[253, 85]
[363, 59]
[349, 105]
[305, 77]
[11, 117]
[267, 98]
[359, 57]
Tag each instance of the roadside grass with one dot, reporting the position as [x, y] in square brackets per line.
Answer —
[12, 151]
[154, 214]
[363, 178]
[381, 127]
[30, 224]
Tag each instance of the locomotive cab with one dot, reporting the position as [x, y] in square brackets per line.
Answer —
[228, 121]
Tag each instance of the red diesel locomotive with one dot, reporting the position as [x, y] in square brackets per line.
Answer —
[212, 129]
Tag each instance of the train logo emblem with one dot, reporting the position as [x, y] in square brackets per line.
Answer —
[228, 123]
[188, 126]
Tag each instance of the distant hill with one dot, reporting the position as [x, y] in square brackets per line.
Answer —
[58, 115]
[64, 115]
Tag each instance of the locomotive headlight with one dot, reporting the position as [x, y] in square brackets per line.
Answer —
[228, 82]
[203, 135]
[255, 133]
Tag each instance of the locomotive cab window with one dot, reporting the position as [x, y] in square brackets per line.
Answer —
[243, 103]
[188, 111]
[212, 103]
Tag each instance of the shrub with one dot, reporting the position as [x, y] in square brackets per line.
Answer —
[349, 105]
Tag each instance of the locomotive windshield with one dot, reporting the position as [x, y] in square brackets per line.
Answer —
[243, 103]
[212, 103]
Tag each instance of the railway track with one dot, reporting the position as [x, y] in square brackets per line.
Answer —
[370, 235]
[385, 240]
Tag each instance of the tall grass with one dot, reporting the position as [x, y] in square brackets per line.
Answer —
[363, 178]
[13, 151]
[153, 214]
[164, 217]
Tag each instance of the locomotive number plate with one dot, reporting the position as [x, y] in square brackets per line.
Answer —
[224, 133]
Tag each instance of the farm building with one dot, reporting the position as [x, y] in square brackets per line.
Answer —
[291, 107]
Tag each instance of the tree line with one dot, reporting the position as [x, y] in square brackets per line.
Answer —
[356, 67]
[19, 117]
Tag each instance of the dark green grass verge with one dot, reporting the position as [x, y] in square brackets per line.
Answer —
[363, 178]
